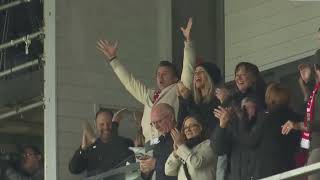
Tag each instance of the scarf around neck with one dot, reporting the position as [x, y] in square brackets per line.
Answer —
[192, 142]
[305, 140]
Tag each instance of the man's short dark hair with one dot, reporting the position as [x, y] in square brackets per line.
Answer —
[104, 110]
[34, 148]
[171, 66]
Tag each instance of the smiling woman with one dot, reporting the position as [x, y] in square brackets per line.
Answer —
[192, 156]
[249, 83]
[206, 78]
[192, 128]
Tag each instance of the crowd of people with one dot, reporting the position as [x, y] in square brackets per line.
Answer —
[198, 127]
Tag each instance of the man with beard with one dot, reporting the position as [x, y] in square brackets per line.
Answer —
[108, 151]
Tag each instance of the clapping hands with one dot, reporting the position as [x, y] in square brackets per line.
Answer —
[223, 114]
[177, 137]
[88, 136]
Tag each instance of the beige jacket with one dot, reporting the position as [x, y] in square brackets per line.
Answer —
[145, 95]
[200, 160]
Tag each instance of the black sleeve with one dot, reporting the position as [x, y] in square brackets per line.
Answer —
[132, 158]
[297, 117]
[79, 162]
[251, 136]
[122, 152]
[295, 135]
[221, 140]
[130, 143]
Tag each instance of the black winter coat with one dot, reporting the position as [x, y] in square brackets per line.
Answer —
[241, 160]
[240, 156]
[101, 157]
[274, 152]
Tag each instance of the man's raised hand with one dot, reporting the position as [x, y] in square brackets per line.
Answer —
[187, 30]
[108, 49]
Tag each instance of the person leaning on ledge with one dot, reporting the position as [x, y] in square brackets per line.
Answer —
[106, 152]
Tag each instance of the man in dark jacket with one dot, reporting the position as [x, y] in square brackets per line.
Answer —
[108, 151]
[163, 119]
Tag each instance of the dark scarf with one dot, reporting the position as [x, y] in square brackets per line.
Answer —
[191, 143]
[256, 92]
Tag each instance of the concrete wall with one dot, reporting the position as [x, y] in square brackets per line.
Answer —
[143, 28]
[269, 33]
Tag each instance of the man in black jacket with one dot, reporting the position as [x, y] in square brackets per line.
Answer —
[108, 151]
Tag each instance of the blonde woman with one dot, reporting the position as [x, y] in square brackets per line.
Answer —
[205, 80]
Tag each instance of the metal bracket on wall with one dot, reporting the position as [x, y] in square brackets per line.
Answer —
[29, 37]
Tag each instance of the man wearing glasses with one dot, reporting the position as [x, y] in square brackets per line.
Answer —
[30, 167]
[162, 119]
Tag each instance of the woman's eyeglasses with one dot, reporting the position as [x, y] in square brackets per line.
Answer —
[191, 126]
[26, 155]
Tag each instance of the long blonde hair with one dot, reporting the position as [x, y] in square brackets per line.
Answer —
[209, 89]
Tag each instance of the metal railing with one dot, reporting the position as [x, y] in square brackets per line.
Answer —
[303, 171]
[134, 168]
[127, 172]
[26, 65]
[12, 4]
[21, 109]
